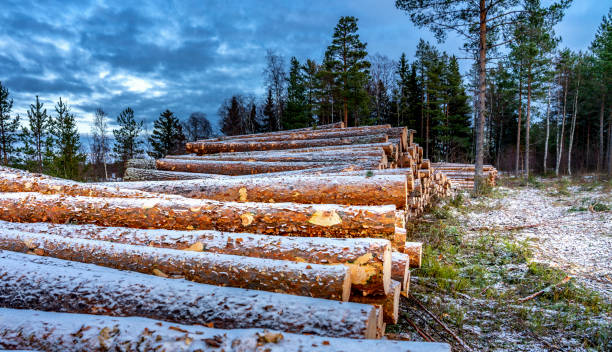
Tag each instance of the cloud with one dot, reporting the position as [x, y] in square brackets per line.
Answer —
[183, 55]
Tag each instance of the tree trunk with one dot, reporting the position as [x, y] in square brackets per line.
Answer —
[482, 74]
[281, 276]
[245, 146]
[235, 168]
[308, 189]
[337, 156]
[368, 259]
[31, 282]
[134, 174]
[573, 129]
[38, 330]
[518, 130]
[318, 220]
[562, 136]
[610, 144]
[547, 132]
[528, 126]
[602, 141]
[307, 135]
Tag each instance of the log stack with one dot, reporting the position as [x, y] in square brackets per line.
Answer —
[462, 175]
[301, 231]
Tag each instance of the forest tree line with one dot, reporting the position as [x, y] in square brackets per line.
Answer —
[49, 142]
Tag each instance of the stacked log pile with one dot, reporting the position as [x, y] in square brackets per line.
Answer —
[461, 176]
[301, 231]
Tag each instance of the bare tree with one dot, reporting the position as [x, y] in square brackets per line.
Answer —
[100, 146]
[276, 81]
[197, 127]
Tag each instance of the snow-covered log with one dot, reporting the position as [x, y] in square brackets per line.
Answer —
[141, 163]
[43, 283]
[338, 156]
[303, 279]
[415, 252]
[245, 146]
[389, 302]
[330, 126]
[134, 174]
[30, 329]
[369, 259]
[305, 220]
[234, 168]
[307, 189]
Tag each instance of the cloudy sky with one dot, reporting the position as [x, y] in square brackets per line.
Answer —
[188, 56]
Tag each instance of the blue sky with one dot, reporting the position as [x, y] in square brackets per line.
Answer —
[188, 56]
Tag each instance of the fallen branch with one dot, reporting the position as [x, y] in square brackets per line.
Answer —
[547, 289]
[444, 326]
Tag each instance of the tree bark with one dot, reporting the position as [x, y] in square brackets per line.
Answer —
[237, 168]
[528, 126]
[562, 136]
[517, 162]
[547, 133]
[318, 220]
[368, 259]
[332, 126]
[610, 144]
[573, 129]
[134, 174]
[31, 282]
[307, 189]
[281, 276]
[37, 330]
[602, 141]
[342, 155]
[482, 74]
[245, 146]
[314, 134]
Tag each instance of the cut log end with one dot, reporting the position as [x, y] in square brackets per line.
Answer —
[346, 286]
[415, 251]
[372, 325]
[387, 264]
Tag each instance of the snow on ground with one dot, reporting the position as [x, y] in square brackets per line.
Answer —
[563, 228]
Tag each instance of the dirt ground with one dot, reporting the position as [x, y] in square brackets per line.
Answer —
[485, 257]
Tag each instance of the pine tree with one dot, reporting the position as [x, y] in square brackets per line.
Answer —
[458, 115]
[231, 117]
[8, 126]
[67, 159]
[36, 139]
[403, 83]
[167, 137]
[347, 56]
[414, 94]
[127, 144]
[269, 121]
[296, 112]
[310, 72]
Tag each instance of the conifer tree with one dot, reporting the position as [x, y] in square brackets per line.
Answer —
[269, 120]
[457, 114]
[231, 117]
[67, 158]
[296, 112]
[403, 83]
[414, 93]
[36, 139]
[167, 137]
[127, 142]
[8, 126]
[347, 56]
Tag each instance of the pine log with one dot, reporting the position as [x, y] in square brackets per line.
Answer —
[38, 330]
[389, 303]
[307, 189]
[389, 148]
[368, 259]
[325, 134]
[12, 180]
[133, 174]
[42, 283]
[236, 168]
[415, 251]
[331, 126]
[400, 133]
[400, 269]
[141, 163]
[245, 146]
[304, 220]
[310, 134]
[281, 276]
[399, 238]
[335, 156]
